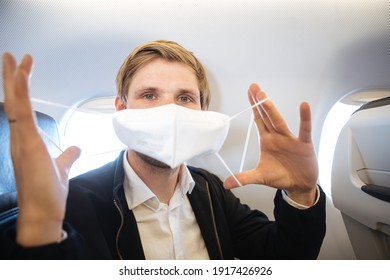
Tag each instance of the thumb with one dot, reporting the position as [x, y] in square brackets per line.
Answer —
[241, 179]
[67, 158]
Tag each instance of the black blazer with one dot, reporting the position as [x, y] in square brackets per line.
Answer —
[100, 225]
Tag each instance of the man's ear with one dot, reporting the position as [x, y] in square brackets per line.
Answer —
[119, 105]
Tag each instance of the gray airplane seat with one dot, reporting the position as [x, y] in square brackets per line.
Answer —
[361, 179]
[8, 200]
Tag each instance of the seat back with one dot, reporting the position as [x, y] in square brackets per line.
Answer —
[361, 179]
[8, 199]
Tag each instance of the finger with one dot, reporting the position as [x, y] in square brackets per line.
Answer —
[257, 112]
[66, 160]
[259, 95]
[24, 114]
[305, 125]
[26, 64]
[9, 66]
[272, 118]
[69, 156]
[264, 115]
[245, 178]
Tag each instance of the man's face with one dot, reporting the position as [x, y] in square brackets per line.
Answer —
[158, 83]
[162, 82]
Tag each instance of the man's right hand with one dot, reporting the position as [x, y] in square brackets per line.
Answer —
[41, 182]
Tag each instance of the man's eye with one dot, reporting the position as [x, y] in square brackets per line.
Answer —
[185, 99]
[148, 96]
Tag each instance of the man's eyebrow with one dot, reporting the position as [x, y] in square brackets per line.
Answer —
[189, 91]
[146, 88]
[156, 89]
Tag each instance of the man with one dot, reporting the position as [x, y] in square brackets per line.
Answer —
[137, 207]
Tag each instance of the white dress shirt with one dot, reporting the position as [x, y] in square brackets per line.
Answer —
[168, 232]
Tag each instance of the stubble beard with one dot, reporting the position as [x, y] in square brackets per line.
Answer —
[153, 162]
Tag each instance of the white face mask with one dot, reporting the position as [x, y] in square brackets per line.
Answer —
[173, 134]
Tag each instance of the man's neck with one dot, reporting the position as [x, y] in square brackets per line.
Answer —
[161, 181]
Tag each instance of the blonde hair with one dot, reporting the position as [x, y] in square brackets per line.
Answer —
[168, 50]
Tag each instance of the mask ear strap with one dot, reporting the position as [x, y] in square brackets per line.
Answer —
[249, 108]
[40, 130]
[43, 133]
[244, 152]
[249, 130]
[227, 168]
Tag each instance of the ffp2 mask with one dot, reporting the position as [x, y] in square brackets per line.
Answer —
[170, 133]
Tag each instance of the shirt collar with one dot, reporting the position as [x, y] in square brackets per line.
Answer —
[137, 192]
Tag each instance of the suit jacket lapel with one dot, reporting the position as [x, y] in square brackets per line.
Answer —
[128, 241]
[200, 203]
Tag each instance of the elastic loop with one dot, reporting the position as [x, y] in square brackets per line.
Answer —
[42, 132]
[244, 152]
[249, 108]
[228, 169]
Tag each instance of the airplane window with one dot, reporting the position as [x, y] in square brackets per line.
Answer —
[89, 127]
[334, 122]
